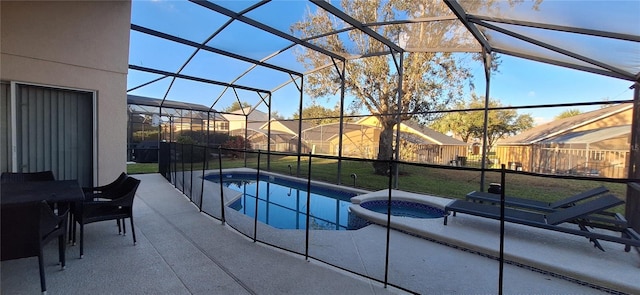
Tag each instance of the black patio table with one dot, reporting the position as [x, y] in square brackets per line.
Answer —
[58, 191]
[22, 224]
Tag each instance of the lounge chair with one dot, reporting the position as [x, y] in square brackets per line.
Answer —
[579, 214]
[535, 204]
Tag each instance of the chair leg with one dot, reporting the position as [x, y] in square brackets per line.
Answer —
[81, 240]
[133, 230]
[61, 251]
[43, 283]
[124, 227]
[119, 228]
[74, 231]
[70, 231]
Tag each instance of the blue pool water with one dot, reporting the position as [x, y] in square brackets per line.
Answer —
[282, 203]
[404, 208]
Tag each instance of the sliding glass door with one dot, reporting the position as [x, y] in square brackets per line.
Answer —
[52, 129]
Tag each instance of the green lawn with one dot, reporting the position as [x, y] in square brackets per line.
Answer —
[434, 181]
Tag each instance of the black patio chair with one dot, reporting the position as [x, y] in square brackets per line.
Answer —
[104, 191]
[9, 177]
[27, 228]
[535, 204]
[118, 206]
[580, 214]
[95, 193]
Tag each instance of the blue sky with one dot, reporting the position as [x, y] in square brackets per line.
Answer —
[524, 82]
[518, 82]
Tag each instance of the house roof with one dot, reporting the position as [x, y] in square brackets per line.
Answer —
[433, 135]
[558, 127]
[291, 125]
[254, 118]
[425, 132]
[251, 115]
[590, 136]
[198, 109]
[154, 102]
[329, 131]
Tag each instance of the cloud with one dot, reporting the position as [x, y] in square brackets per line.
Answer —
[531, 93]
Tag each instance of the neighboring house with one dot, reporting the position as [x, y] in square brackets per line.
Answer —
[284, 134]
[146, 128]
[423, 144]
[176, 116]
[360, 140]
[245, 118]
[595, 143]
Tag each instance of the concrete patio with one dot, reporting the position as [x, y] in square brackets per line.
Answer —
[182, 251]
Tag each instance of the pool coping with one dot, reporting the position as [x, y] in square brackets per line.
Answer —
[397, 222]
[232, 195]
[432, 229]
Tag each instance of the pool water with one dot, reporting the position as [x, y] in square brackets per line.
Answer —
[282, 203]
[404, 209]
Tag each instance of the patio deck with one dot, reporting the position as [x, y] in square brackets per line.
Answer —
[181, 251]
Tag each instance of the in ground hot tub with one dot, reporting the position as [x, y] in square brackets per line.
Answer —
[403, 208]
[409, 211]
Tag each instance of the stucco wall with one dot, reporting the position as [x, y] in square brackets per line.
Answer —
[79, 44]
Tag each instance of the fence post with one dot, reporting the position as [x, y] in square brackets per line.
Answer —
[191, 173]
[205, 165]
[502, 194]
[306, 243]
[255, 220]
[386, 261]
[182, 164]
[221, 186]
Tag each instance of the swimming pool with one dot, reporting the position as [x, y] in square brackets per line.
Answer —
[282, 202]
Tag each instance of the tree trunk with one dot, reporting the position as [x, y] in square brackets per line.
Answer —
[385, 149]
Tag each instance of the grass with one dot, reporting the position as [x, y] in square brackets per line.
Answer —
[142, 168]
[441, 182]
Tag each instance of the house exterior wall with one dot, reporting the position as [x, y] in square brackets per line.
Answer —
[81, 45]
[359, 143]
[622, 118]
[607, 157]
[236, 122]
[516, 154]
[278, 127]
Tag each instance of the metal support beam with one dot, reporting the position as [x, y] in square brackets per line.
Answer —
[341, 73]
[299, 148]
[400, 69]
[462, 16]
[210, 49]
[357, 24]
[259, 25]
[487, 75]
[197, 79]
[597, 33]
[555, 49]
[593, 70]
[632, 209]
